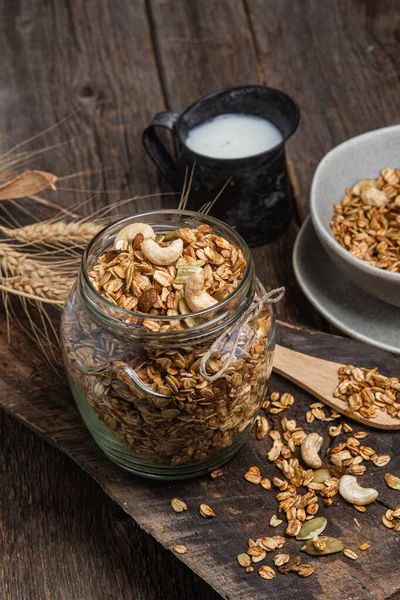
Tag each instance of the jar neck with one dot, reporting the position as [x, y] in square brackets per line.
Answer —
[128, 324]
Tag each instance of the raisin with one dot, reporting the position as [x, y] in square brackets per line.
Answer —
[137, 241]
[147, 299]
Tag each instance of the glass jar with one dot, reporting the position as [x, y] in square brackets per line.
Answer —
[135, 377]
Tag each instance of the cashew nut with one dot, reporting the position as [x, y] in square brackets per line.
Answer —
[310, 447]
[195, 294]
[362, 184]
[128, 233]
[351, 491]
[374, 197]
[162, 256]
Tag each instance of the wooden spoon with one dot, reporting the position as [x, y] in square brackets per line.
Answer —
[320, 378]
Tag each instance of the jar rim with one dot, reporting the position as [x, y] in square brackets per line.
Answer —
[124, 313]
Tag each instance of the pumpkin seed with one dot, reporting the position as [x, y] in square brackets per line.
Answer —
[185, 310]
[171, 235]
[321, 475]
[312, 528]
[183, 273]
[184, 307]
[333, 545]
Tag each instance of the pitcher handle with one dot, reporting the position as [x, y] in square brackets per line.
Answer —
[156, 149]
[130, 377]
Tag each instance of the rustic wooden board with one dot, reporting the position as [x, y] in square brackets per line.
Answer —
[30, 393]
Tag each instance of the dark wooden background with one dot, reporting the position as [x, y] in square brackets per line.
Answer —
[111, 65]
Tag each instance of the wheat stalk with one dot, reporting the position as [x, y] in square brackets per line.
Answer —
[47, 281]
[54, 291]
[55, 233]
[37, 281]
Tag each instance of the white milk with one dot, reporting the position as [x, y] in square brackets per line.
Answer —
[233, 136]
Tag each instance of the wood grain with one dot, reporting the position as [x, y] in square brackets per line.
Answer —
[63, 538]
[340, 60]
[242, 510]
[81, 61]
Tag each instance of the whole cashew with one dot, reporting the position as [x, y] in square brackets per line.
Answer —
[162, 256]
[128, 233]
[351, 491]
[374, 197]
[195, 294]
[310, 447]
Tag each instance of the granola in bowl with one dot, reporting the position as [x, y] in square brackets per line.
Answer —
[367, 221]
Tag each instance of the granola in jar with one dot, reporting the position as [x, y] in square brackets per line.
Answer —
[136, 330]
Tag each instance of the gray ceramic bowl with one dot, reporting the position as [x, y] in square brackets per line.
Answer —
[361, 157]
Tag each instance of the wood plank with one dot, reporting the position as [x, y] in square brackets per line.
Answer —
[340, 61]
[63, 538]
[82, 59]
[197, 51]
[242, 510]
[204, 46]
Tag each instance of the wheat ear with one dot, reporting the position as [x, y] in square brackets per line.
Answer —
[33, 278]
[55, 233]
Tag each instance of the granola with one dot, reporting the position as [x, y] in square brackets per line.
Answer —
[367, 221]
[174, 416]
[391, 519]
[367, 392]
[127, 278]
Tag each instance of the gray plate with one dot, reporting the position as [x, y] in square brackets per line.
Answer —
[339, 300]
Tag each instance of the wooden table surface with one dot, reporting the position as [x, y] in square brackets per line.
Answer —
[109, 66]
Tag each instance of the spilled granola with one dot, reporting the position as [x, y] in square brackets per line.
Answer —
[367, 391]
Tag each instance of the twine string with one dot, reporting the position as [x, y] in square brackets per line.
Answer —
[231, 336]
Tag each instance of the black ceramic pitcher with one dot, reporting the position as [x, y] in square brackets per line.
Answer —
[257, 201]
